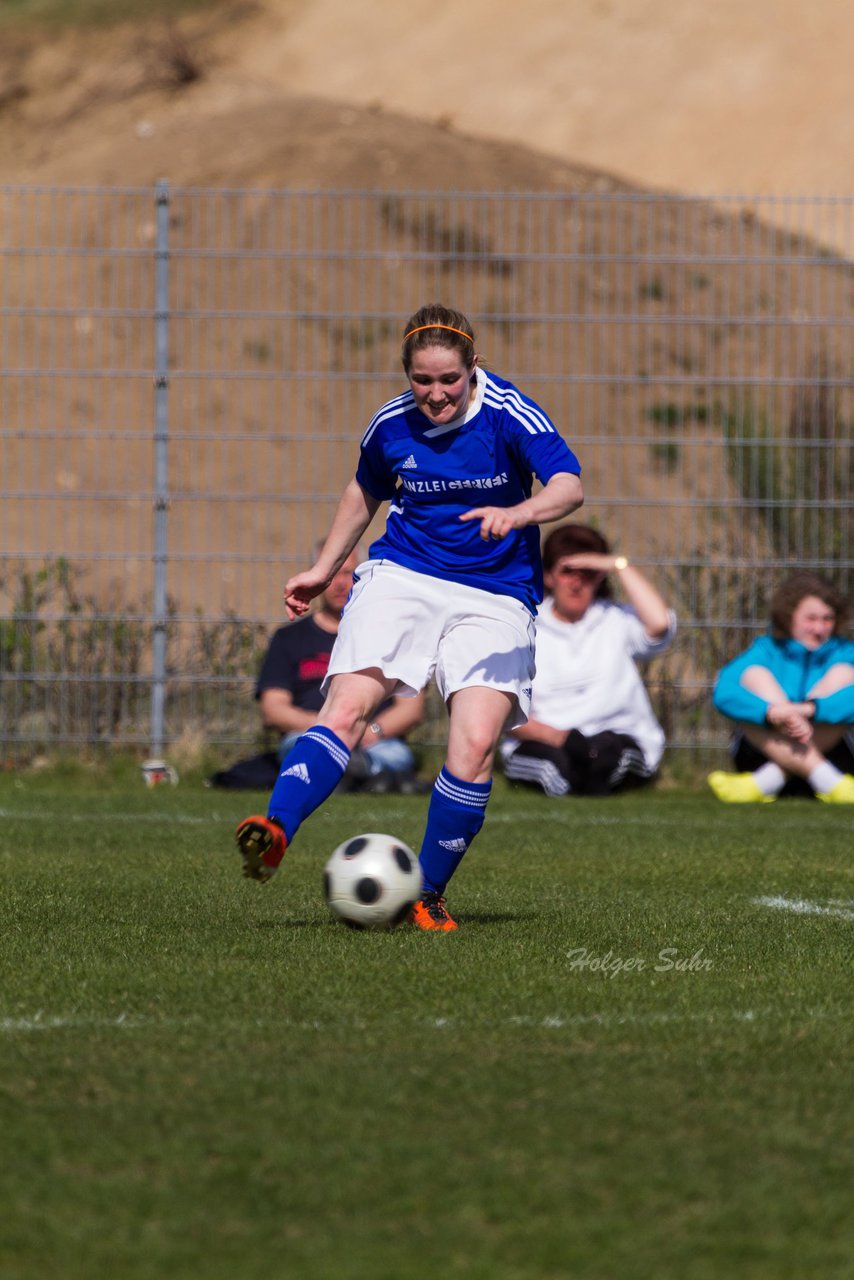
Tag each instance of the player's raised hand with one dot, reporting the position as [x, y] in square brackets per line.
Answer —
[300, 590]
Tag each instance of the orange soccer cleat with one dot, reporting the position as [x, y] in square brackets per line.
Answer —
[262, 845]
[430, 913]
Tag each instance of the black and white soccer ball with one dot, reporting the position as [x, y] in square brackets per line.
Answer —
[371, 881]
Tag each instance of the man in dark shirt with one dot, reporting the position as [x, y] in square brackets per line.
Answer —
[288, 691]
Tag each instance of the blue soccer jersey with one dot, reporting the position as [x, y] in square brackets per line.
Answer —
[432, 474]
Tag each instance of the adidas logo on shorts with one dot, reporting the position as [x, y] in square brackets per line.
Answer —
[455, 846]
[297, 771]
[410, 464]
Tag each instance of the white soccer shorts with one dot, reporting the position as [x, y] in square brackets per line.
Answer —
[414, 627]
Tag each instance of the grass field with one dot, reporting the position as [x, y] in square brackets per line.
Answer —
[633, 1060]
[24, 14]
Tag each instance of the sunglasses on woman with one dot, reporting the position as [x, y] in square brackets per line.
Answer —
[565, 570]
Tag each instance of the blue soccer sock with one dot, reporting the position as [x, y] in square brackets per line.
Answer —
[309, 774]
[456, 814]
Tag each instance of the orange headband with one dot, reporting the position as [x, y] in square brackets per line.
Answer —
[467, 337]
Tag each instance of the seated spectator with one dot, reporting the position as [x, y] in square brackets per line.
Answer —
[288, 691]
[791, 696]
[591, 730]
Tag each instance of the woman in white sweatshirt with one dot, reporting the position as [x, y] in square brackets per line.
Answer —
[591, 728]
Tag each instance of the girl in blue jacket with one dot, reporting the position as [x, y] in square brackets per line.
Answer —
[791, 695]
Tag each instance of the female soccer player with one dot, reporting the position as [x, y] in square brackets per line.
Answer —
[449, 591]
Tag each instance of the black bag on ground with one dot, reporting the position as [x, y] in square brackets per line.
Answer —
[258, 773]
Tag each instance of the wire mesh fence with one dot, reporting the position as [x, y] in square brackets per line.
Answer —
[186, 375]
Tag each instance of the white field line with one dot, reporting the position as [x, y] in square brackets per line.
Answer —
[838, 908]
[40, 1022]
[179, 819]
[568, 815]
[565, 816]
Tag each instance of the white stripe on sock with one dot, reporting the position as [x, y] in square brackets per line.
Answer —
[339, 755]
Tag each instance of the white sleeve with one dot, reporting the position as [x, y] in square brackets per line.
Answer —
[638, 643]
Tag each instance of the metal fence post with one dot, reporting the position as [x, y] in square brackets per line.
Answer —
[161, 443]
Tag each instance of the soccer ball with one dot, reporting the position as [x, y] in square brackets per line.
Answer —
[371, 881]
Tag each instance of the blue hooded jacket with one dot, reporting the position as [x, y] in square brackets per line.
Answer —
[796, 669]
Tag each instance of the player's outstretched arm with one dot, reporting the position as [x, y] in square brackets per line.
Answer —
[555, 501]
[355, 512]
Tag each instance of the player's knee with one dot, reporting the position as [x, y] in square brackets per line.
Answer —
[473, 756]
[346, 715]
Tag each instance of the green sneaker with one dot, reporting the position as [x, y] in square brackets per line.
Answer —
[842, 793]
[737, 788]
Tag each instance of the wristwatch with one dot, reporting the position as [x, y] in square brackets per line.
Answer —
[376, 728]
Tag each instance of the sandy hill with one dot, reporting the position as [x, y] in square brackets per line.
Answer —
[318, 96]
[554, 96]
[702, 98]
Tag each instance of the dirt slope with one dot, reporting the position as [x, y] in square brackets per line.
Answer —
[703, 98]
[707, 98]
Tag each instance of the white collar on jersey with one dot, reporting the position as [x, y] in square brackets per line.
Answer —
[470, 412]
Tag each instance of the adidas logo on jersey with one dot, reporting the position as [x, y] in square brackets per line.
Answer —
[296, 771]
[410, 464]
[455, 846]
